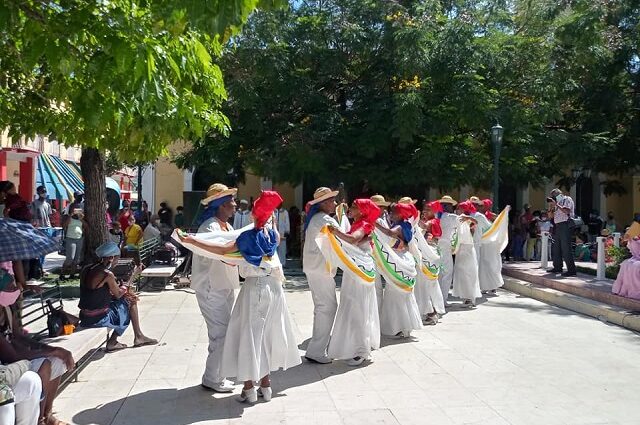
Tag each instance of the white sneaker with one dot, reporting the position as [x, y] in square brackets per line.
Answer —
[248, 396]
[320, 360]
[356, 361]
[225, 386]
[265, 393]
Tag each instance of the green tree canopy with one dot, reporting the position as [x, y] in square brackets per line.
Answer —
[128, 77]
[404, 93]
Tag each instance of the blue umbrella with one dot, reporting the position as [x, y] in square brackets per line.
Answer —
[22, 241]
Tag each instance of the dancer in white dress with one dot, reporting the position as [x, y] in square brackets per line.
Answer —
[214, 282]
[494, 239]
[427, 290]
[383, 220]
[319, 273]
[400, 313]
[260, 337]
[465, 276]
[357, 327]
[449, 222]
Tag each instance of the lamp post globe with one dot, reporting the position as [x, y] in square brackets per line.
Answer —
[497, 131]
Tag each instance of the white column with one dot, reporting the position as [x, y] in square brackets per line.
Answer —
[266, 183]
[616, 238]
[298, 197]
[149, 185]
[188, 180]
[464, 193]
[544, 250]
[600, 273]
[525, 195]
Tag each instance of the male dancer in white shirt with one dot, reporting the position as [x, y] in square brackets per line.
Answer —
[319, 276]
[214, 283]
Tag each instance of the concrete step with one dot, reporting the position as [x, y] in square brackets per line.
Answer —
[583, 285]
[602, 311]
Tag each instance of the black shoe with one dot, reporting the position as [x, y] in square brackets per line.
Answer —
[554, 271]
[569, 274]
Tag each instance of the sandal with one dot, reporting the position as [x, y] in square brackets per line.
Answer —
[146, 341]
[116, 347]
[52, 420]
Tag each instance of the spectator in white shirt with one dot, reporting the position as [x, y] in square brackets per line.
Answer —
[242, 217]
[562, 208]
[284, 228]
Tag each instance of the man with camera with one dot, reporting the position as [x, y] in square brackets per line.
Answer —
[562, 208]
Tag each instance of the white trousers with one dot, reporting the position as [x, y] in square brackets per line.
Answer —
[446, 275]
[25, 409]
[216, 306]
[282, 251]
[325, 305]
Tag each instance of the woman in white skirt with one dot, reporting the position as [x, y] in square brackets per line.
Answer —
[466, 284]
[400, 313]
[427, 290]
[260, 337]
[357, 326]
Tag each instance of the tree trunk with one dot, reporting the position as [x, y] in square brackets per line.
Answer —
[93, 173]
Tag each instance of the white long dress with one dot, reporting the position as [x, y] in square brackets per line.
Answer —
[450, 224]
[357, 326]
[379, 278]
[494, 242]
[260, 338]
[465, 277]
[427, 289]
[400, 312]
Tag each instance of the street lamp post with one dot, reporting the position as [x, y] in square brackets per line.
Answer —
[496, 139]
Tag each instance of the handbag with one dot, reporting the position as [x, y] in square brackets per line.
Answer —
[57, 319]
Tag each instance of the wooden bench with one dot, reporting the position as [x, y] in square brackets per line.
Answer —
[83, 343]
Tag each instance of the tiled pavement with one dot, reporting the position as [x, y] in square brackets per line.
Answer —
[512, 360]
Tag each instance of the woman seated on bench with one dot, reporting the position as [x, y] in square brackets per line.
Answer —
[106, 303]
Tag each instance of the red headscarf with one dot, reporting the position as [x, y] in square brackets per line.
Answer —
[435, 206]
[488, 203]
[406, 211]
[436, 229]
[264, 206]
[370, 213]
[467, 207]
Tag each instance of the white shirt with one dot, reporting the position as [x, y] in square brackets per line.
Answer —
[559, 216]
[284, 226]
[448, 222]
[241, 219]
[545, 226]
[207, 271]
[312, 259]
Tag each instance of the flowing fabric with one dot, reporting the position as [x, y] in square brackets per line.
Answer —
[427, 289]
[352, 259]
[448, 245]
[260, 336]
[342, 219]
[627, 283]
[465, 275]
[397, 268]
[493, 241]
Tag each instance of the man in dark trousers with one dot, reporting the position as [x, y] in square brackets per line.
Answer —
[562, 208]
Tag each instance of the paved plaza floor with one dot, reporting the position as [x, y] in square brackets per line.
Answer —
[512, 360]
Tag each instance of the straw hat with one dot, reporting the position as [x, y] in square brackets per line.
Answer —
[322, 194]
[475, 200]
[217, 190]
[605, 232]
[380, 201]
[446, 199]
[407, 200]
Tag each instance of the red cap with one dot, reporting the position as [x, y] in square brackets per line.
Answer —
[467, 207]
[435, 206]
[370, 211]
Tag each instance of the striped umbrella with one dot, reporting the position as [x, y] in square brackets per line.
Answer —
[22, 241]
